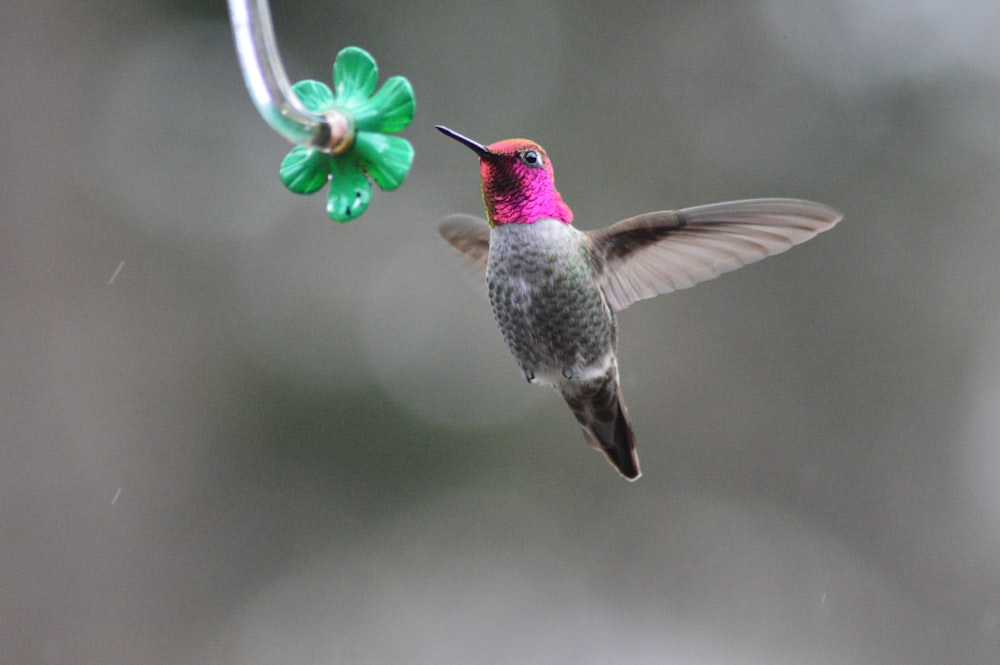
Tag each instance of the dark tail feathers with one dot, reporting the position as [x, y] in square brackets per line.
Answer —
[599, 407]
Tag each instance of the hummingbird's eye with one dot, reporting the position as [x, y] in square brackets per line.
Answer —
[531, 158]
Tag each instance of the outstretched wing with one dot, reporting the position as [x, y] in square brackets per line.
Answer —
[660, 252]
[470, 236]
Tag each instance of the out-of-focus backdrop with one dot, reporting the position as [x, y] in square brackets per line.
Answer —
[233, 431]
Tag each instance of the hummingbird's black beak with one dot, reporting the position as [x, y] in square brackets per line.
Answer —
[477, 148]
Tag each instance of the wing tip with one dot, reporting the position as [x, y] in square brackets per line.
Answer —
[827, 216]
[784, 207]
[820, 212]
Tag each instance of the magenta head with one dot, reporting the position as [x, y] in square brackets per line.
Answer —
[518, 183]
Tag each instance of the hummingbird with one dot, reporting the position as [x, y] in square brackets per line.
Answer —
[556, 290]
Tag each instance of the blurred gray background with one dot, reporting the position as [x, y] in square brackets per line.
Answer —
[233, 431]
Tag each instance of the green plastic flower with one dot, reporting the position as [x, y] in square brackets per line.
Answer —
[366, 150]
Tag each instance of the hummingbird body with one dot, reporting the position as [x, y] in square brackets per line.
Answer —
[551, 313]
[555, 290]
[560, 328]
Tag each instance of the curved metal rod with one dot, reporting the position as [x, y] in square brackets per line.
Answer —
[267, 82]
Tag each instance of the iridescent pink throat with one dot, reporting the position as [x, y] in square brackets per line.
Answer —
[515, 193]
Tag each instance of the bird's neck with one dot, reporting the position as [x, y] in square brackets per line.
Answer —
[525, 205]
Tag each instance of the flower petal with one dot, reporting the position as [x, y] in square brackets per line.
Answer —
[387, 159]
[316, 96]
[350, 191]
[355, 76]
[389, 110]
[304, 170]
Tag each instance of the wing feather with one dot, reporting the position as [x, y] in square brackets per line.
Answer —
[469, 235]
[665, 251]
